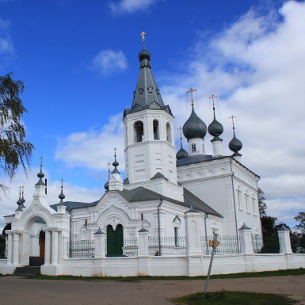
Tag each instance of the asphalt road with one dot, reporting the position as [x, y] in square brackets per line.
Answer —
[16, 290]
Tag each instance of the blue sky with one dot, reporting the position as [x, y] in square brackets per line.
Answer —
[78, 60]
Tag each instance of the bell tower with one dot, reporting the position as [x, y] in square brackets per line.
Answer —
[149, 129]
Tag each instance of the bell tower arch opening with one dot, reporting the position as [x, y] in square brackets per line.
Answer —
[138, 131]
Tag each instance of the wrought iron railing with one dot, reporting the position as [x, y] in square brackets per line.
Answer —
[226, 244]
[166, 246]
[265, 244]
[81, 248]
[257, 243]
[130, 247]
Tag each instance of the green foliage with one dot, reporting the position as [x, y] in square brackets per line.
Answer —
[14, 149]
[286, 272]
[297, 242]
[301, 219]
[235, 298]
[261, 203]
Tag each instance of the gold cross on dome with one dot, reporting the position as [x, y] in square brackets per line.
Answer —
[180, 131]
[232, 118]
[191, 90]
[143, 35]
[213, 97]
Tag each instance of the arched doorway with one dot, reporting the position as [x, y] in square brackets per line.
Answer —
[41, 243]
[33, 242]
[115, 241]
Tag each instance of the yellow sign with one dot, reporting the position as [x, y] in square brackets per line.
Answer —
[211, 243]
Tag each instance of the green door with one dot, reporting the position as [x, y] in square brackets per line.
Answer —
[115, 241]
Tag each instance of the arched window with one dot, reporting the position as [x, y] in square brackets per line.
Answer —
[193, 147]
[156, 129]
[139, 131]
[168, 133]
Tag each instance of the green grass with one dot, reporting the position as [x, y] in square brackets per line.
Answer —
[234, 298]
[299, 271]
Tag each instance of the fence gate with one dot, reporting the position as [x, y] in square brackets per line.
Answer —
[115, 241]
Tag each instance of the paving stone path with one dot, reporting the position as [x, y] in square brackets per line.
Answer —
[17, 290]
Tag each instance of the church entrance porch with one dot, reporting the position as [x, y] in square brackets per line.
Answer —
[115, 241]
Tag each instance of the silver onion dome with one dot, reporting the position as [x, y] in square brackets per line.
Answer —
[194, 127]
[182, 153]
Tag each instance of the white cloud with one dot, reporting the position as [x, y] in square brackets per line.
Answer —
[257, 68]
[4, 24]
[6, 42]
[94, 148]
[8, 203]
[109, 61]
[130, 6]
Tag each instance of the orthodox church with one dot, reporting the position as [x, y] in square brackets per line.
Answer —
[166, 194]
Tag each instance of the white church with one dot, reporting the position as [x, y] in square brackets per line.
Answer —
[160, 219]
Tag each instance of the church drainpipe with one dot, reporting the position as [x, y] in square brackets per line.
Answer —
[234, 203]
[206, 233]
[70, 233]
[159, 229]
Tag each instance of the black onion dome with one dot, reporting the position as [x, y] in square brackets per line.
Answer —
[144, 54]
[235, 145]
[182, 153]
[215, 128]
[194, 127]
[106, 186]
[61, 195]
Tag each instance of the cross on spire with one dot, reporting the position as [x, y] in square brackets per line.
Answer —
[191, 90]
[232, 118]
[143, 39]
[180, 130]
[108, 169]
[115, 163]
[213, 97]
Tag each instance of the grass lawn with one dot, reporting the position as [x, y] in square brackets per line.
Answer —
[234, 298]
[142, 278]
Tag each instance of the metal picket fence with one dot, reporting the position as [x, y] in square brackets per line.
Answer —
[166, 246]
[81, 248]
[130, 247]
[228, 244]
[265, 244]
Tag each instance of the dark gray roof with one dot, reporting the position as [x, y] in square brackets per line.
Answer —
[196, 159]
[147, 94]
[283, 228]
[142, 194]
[190, 200]
[244, 227]
[75, 205]
[157, 176]
[207, 158]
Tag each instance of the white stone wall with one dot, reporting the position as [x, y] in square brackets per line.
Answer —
[227, 187]
[181, 265]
